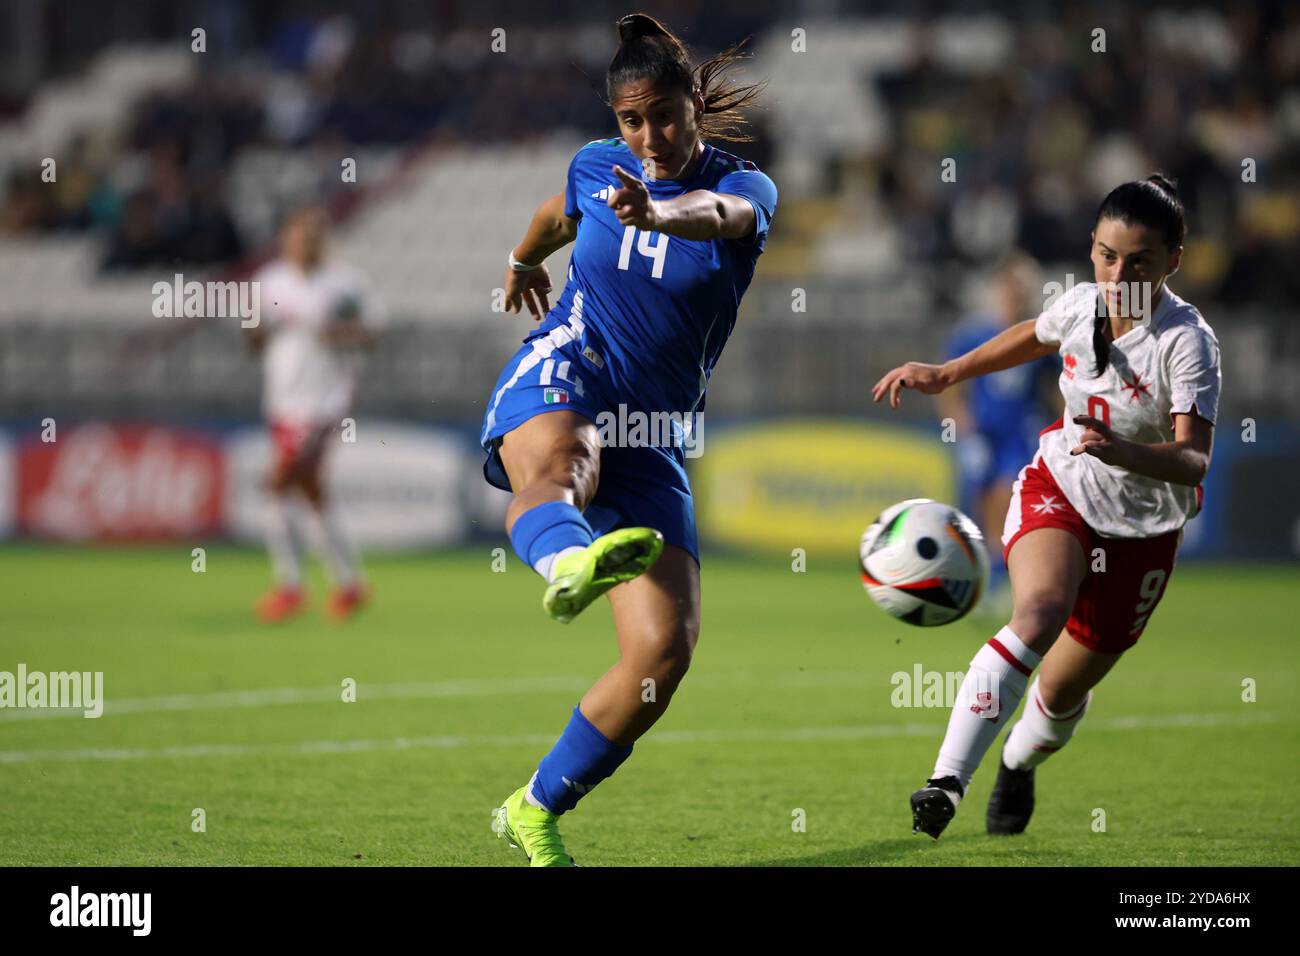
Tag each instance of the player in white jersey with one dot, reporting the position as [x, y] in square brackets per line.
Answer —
[1097, 516]
[309, 336]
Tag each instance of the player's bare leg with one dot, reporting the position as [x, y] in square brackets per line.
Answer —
[1056, 703]
[553, 461]
[657, 618]
[1070, 671]
[551, 457]
[1046, 565]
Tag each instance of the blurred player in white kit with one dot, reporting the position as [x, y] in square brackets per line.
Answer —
[315, 319]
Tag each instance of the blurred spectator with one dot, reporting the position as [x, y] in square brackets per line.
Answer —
[1038, 136]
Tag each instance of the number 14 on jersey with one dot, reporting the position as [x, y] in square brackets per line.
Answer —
[656, 251]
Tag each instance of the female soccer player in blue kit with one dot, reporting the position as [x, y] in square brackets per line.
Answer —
[660, 263]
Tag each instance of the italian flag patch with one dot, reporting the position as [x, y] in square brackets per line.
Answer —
[555, 396]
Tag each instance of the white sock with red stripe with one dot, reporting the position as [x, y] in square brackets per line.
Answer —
[284, 542]
[988, 697]
[336, 546]
[1039, 733]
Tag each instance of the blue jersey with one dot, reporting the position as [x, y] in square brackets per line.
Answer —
[656, 309]
[1008, 404]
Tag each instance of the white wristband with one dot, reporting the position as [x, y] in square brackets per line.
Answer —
[520, 266]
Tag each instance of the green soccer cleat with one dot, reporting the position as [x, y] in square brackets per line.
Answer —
[532, 829]
[611, 559]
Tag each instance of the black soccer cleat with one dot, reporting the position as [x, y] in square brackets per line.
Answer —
[935, 804]
[1012, 801]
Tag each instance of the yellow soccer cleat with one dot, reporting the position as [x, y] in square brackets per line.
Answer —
[581, 577]
[532, 829]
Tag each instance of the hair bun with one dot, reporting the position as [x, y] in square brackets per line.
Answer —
[636, 25]
[1166, 183]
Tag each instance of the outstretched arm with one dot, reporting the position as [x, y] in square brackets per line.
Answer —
[1014, 346]
[699, 214]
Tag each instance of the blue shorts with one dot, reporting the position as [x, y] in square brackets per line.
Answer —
[987, 458]
[564, 370]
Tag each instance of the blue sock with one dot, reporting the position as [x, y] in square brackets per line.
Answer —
[580, 759]
[548, 528]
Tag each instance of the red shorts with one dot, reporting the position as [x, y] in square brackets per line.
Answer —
[299, 447]
[1113, 606]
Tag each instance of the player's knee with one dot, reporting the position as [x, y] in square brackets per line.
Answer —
[665, 656]
[582, 469]
[574, 468]
[1039, 616]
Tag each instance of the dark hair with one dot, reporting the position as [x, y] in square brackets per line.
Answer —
[292, 211]
[1152, 202]
[648, 50]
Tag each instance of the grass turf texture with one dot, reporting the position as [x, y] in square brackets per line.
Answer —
[462, 684]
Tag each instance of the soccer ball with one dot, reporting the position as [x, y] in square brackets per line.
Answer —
[924, 562]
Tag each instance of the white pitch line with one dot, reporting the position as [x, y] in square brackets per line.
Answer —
[430, 690]
[732, 735]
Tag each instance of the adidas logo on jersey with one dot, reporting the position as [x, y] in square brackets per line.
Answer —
[604, 193]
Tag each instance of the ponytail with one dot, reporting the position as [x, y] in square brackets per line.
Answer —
[648, 50]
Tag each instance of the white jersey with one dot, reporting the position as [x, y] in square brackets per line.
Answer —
[1166, 365]
[307, 381]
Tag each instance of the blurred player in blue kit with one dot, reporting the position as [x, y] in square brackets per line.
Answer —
[998, 417]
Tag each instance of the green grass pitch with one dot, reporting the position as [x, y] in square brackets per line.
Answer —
[462, 684]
